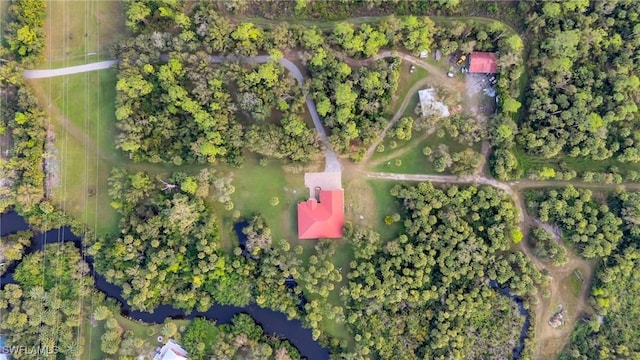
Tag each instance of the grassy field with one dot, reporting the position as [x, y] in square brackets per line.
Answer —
[533, 163]
[147, 332]
[81, 116]
[408, 112]
[412, 158]
[77, 28]
[255, 187]
[81, 107]
[405, 82]
[385, 205]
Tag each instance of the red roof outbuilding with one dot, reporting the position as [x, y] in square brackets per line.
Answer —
[483, 63]
[324, 219]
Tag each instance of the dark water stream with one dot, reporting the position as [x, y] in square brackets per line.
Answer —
[517, 351]
[272, 322]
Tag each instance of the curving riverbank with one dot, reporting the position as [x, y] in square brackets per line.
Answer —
[272, 322]
[517, 351]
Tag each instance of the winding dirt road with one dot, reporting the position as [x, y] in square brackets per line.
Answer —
[544, 334]
[332, 163]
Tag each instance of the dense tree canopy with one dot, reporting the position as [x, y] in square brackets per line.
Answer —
[352, 101]
[425, 292]
[12, 248]
[44, 306]
[587, 224]
[241, 339]
[612, 334]
[584, 81]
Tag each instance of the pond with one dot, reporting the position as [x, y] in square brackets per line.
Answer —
[272, 322]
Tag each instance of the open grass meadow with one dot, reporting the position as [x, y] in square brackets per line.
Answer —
[385, 205]
[147, 332]
[81, 107]
[81, 117]
[79, 31]
[412, 160]
[531, 163]
[405, 82]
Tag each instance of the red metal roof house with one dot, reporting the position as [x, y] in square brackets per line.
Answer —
[483, 63]
[323, 219]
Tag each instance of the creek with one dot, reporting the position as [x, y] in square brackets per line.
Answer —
[272, 322]
[517, 351]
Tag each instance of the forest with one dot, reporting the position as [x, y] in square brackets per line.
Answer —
[582, 95]
[208, 112]
[176, 106]
[425, 293]
[45, 307]
[241, 339]
[614, 292]
[50, 310]
[588, 225]
[13, 248]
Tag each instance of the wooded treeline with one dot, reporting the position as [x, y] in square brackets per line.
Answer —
[605, 228]
[206, 112]
[581, 99]
[426, 293]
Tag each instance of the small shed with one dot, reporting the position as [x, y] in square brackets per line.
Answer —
[483, 63]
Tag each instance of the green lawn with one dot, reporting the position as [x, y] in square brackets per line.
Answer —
[405, 82]
[408, 112]
[385, 205]
[92, 338]
[147, 332]
[81, 115]
[413, 160]
[532, 163]
[77, 28]
[81, 107]
[256, 185]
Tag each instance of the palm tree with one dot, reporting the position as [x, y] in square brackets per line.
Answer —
[169, 330]
[101, 312]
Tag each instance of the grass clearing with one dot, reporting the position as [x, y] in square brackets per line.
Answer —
[530, 163]
[81, 115]
[413, 160]
[256, 186]
[569, 291]
[385, 205]
[91, 337]
[147, 332]
[81, 107]
[76, 28]
[405, 82]
[408, 112]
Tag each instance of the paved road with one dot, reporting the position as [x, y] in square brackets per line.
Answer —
[39, 74]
